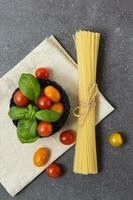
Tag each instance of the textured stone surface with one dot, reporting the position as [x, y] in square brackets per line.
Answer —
[23, 25]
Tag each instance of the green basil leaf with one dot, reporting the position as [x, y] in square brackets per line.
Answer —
[23, 140]
[29, 86]
[26, 130]
[47, 115]
[16, 113]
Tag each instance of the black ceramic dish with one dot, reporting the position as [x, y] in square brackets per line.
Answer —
[64, 99]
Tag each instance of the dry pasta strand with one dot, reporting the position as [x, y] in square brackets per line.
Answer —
[87, 45]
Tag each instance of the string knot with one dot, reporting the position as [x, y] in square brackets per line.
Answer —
[91, 101]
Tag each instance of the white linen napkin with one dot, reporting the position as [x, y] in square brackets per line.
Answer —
[16, 167]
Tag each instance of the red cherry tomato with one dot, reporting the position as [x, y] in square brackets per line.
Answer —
[44, 129]
[54, 170]
[19, 99]
[44, 102]
[67, 137]
[42, 73]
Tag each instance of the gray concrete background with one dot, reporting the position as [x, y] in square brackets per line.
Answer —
[23, 25]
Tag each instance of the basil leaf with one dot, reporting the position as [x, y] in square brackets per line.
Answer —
[16, 113]
[31, 111]
[23, 140]
[29, 86]
[26, 130]
[47, 115]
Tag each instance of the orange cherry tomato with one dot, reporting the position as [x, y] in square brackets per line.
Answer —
[67, 137]
[42, 73]
[52, 93]
[44, 102]
[58, 107]
[19, 99]
[44, 129]
[54, 171]
[41, 157]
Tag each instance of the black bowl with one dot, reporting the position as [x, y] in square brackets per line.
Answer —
[64, 99]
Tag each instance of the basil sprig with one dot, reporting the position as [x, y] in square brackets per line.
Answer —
[27, 125]
[29, 86]
[31, 111]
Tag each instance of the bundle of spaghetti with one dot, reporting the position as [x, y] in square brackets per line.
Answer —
[87, 45]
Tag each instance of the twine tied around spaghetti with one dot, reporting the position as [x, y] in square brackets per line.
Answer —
[91, 101]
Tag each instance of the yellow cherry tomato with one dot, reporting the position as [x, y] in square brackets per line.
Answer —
[52, 93]
[115, 139]
[58, 107]
[41, 157]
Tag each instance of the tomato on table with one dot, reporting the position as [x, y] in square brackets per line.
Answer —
[52, 93]
[44, 129]
[58, 107]
[115, 139]
[42, 73]
[54, 170]
[67, 137]
[41, 157]
[19, 99]
[44, 102]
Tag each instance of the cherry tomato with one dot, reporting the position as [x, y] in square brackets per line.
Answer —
[58, 107]
[52, 93]
[54, 170]
[19, 99]
[115, 139]
[41, 157]
[44, 129]
[67, 137]
[44, 102]
[42, 73]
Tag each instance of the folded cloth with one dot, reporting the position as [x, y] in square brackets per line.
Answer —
[16, 166]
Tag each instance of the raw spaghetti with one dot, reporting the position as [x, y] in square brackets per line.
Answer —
[87, 45]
